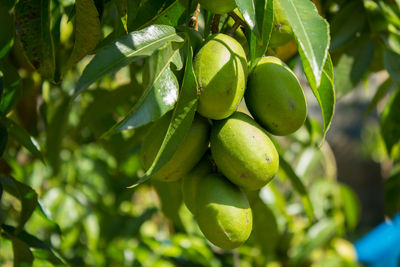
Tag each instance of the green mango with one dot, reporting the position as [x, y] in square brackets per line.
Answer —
[243, 151]
[218, 6]
[189, 151]
[223, 212]
[275, 98]
[221, 71]
[191, 180]
[281, 33]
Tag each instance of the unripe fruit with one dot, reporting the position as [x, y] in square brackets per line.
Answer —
[191, 181]
[188, 154]
[221, 70]
[223, 212]
[282, 33]
[275, 98]
[243, 151]
[218, 6]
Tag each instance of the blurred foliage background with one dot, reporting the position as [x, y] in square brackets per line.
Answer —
[64, 196]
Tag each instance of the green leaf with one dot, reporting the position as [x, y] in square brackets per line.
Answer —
[392, 196]
[22, 254]
[254, 13]
[346, 23]
[3, 139]
[41, 249]
[392, 64]
[126, 50]
[25, 194]
[324, 93]
[181, 121]
[390, 122]
[173, 15]
[351, 206]
[259, 15]
[32, 21]
[22, 136]
[317, 236]
[11, 88]
[140, 14]
[122, 7]
[298, 187]
[263, 218]
[87, 30]
[7, 31]
[161, 93]
[379, 94]
[312, 35]
[353, 64]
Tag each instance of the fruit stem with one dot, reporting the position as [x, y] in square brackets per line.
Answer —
[215, 23]
[194, 20]
[236, 18]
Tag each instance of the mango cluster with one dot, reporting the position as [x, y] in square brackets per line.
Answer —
[242, 157]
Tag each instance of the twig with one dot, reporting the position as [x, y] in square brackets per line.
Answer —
[215, 23]
[194, 20]
[236, 18]
[234, 28]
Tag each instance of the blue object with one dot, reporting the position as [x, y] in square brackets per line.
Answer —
[381, 246]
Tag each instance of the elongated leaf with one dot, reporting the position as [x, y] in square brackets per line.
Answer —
[11, 88]
[353, 65]
[87, 30]
[140, 14]
[7, 30]
[46, 252]
[390, 122]
[21, 136]
[312, 35]
[32, 23]
[3, 139]
[173, 15]
[161, 94]
[324, 93]
[379, 94]
[22, 254]
[122, 6]
[25, 194]
[253, 12]
[298, 186]
[259, 12]
[392, 65]
[125, 50]
[181, 121]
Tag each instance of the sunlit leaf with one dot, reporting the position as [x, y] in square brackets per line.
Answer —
[181, 121]
[351, 206]
[312, 35]
[161, 94]
[324, 93]
[126, 50]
